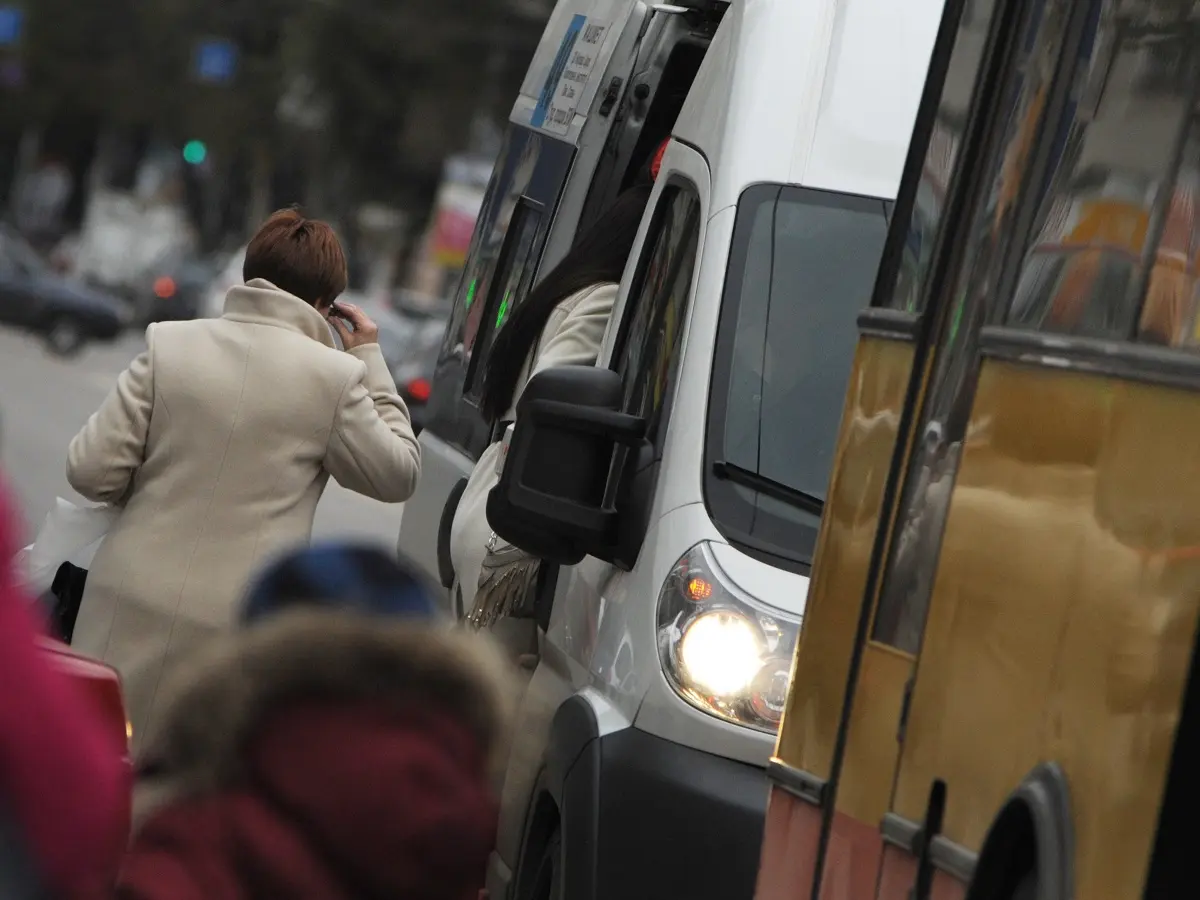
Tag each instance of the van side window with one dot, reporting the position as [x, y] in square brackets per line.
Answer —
[648, 347]
[510, 285]
[1116, 239]
[521, 198]
[1008, 172]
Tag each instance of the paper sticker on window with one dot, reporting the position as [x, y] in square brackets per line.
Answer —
[569, 76]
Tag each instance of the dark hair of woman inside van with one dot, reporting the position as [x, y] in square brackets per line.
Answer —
[597, 257]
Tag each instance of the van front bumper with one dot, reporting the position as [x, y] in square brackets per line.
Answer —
[667, 821]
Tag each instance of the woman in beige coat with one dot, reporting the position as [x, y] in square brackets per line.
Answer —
[218, 441]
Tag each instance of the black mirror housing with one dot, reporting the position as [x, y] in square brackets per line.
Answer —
[550, 498]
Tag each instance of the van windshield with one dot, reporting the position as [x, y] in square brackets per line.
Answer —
[801, 269]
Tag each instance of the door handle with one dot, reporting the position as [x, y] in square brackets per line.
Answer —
[935, 811]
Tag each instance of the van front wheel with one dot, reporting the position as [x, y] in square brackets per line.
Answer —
[547, 880]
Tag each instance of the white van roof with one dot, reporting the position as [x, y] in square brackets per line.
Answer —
[818, 93]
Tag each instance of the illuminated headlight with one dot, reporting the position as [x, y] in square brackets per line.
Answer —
[722, 650]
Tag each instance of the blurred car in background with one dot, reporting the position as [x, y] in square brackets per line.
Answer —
[227, 275]
[173, 289]
[65, 313]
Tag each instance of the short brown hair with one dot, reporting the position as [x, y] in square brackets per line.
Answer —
[299, 255]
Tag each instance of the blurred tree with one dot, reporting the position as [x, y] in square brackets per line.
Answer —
[395, 85]
[403, 82]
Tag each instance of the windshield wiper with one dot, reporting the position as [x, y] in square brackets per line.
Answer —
[728, 471]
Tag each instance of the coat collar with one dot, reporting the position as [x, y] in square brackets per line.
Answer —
[261, 303]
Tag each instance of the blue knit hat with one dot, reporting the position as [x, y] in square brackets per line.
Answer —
[351, 577]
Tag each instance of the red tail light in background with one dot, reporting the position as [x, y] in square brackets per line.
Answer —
[418, 389]
[164, 288]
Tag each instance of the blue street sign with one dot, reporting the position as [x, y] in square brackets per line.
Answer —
[216, 61]
[12, 21]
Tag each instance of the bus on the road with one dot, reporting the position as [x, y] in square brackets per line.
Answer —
[996, 690]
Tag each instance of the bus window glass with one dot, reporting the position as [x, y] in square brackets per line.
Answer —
[986, 260]
[1114, 254]
[966, 59]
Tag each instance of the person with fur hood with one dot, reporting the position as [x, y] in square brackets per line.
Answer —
[341, 746]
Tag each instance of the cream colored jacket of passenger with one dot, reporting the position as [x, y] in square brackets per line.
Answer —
[218, 441]
[572, 336]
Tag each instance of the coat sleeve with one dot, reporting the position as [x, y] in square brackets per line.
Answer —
[577, 341]
[103, 458]
[372, 449]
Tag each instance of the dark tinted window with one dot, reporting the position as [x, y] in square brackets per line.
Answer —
[802, 267]
[510, 284]
[658, 306]
[532, 167]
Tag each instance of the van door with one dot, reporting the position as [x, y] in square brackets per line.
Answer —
[648, 330]
[581, 639]
[527, 222]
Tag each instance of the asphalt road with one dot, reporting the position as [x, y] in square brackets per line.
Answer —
[44, 401]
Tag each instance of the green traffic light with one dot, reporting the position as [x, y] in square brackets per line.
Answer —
[194, 152]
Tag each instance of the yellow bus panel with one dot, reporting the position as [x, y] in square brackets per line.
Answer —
[1063, 612]
[869, 766]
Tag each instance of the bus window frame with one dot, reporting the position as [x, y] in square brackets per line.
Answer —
[975, 310]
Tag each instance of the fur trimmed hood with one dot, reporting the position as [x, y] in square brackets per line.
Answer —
[220, 697]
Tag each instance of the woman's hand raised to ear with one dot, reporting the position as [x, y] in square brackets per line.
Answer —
[365, 331]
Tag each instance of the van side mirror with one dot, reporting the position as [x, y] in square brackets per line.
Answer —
[550, 499]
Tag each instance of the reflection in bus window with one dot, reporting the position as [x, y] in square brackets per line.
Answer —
[965, 63]
[1115, 252]
[907, 587]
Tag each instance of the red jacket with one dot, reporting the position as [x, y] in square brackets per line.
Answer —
[63, 780]
[320, 756]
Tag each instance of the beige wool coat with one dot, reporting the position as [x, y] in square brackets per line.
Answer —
[217, 443]
[572, 336]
